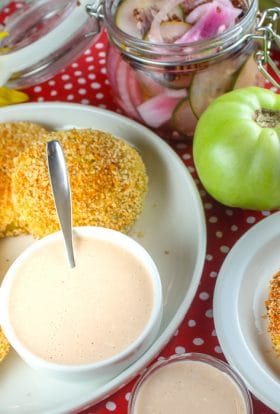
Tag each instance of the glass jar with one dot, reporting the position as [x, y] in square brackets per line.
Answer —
[168, 86]
[164, 86]
[44, 37]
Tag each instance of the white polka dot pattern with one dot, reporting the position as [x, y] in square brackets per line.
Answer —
[180, 350]
[111, 406]
[85, 81]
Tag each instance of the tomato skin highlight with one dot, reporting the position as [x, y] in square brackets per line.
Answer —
[236, 149]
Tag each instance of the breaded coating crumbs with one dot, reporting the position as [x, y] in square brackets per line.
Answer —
[107, 177]
[4, 345]
[14, 137]
[273, 312]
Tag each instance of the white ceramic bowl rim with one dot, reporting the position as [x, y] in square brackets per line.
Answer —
[100, 233]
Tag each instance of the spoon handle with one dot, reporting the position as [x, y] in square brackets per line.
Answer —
[61, 193]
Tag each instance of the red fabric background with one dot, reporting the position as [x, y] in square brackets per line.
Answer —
[85, 81]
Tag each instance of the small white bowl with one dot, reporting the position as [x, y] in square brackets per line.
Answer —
[113, 365]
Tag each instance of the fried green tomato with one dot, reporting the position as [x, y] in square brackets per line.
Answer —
[273, 312]
[4, 345]
[107, 177]
[14, 138]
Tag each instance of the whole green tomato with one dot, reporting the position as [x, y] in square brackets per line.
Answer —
[236, 149]
[267, 4]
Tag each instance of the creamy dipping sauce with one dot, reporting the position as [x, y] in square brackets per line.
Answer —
[85, 314]
[189, 387]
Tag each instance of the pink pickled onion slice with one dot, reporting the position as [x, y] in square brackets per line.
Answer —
[113, 60]
[165, 9]
[122, 77]
[157, 110]
[198, 12]
[226, 3]
[201, 9]
[150, 86]
[188, 5]
[209, 24]
[134, 88]
[176, 93]
[153, 87]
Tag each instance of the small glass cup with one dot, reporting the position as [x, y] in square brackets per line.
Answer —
[190, 357]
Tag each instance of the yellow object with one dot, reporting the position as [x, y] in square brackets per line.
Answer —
[4, 345]
[107, 176]
[273, 312]
[3, 34]
[11, 96]
[7, 48]
[14, 138]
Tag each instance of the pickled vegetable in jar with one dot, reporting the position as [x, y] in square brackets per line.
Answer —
[177, 21]
[172, 60]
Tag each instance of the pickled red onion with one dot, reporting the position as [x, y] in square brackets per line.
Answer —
[201, 9]
[158, 110]
[165, 9]
[198, 12]
[192, 4]
[123, 76]
[208, 25]
[226, 3]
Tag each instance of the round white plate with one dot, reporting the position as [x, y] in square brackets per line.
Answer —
[239, 309]
[171, 228]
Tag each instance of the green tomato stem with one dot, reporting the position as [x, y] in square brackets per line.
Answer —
[267, 118]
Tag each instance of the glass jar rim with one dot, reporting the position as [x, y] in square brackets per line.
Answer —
[224, 42]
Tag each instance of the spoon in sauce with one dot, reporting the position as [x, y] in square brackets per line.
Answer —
[61, 194]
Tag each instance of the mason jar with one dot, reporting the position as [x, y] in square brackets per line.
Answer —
[164, 86]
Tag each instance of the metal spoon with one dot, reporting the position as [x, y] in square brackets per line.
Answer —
[62, 194]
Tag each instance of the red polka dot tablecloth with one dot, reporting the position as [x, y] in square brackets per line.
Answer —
[85, 82]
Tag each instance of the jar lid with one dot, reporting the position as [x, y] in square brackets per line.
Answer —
[44, 36]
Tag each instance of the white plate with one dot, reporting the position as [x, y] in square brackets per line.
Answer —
[239, 309]
[171, 228]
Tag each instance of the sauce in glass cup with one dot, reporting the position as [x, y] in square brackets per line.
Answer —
[190, 383]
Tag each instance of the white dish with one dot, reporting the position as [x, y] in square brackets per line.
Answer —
[239, 309]
[171, 228]
[116, 362]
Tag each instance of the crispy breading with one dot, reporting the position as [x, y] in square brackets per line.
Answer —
[107, 177]
[273, 312]
[4, 345]
[14, 137]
